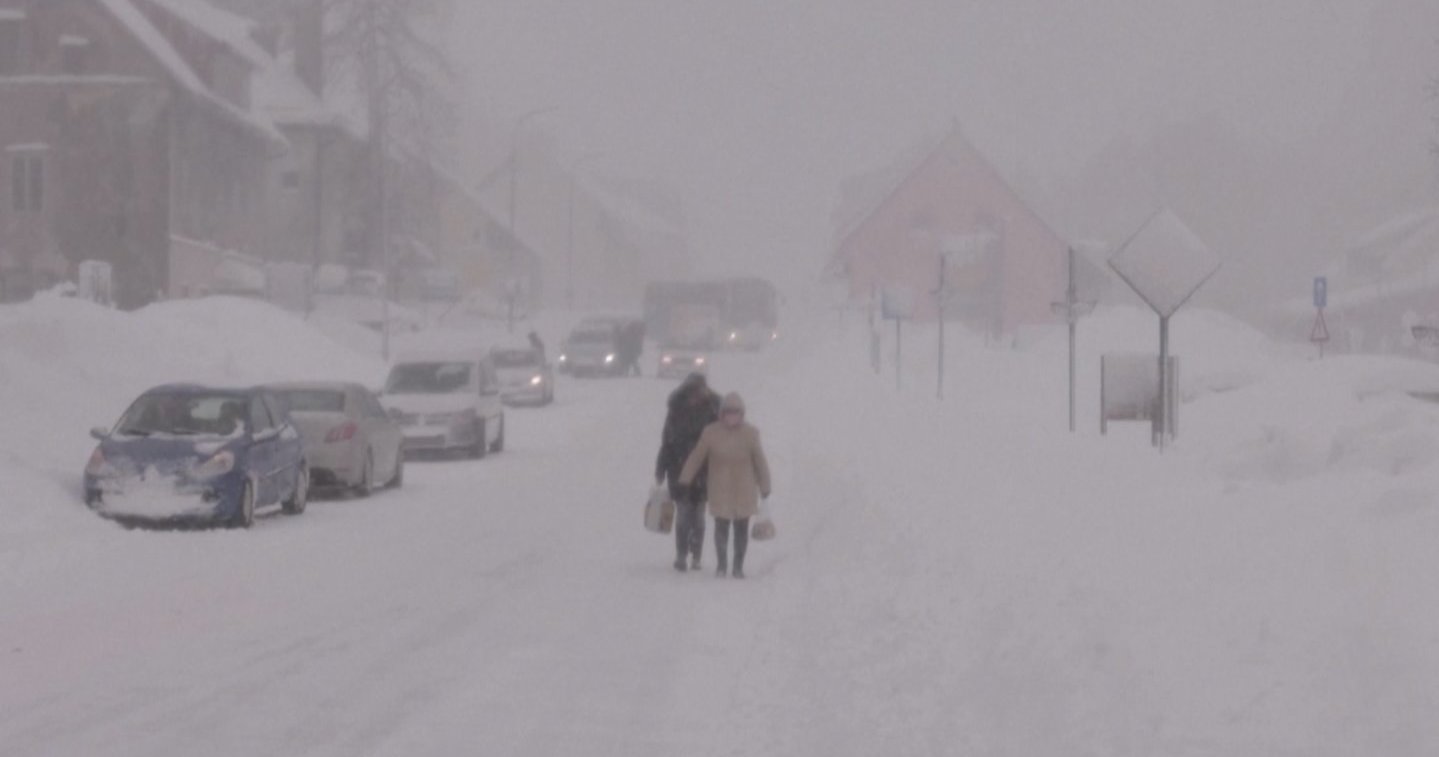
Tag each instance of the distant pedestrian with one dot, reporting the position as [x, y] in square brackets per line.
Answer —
[632, 347]
[738, 477]
[692, 407]
[538, 345]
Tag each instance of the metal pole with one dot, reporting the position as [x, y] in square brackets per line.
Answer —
[898, 363]
[940, 391]
[1161, 414]
[1071, 296]
[570, 252]
[378, 106]
[514, 185]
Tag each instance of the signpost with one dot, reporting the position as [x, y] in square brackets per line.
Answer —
[1165, 263]
[1320, 333]
[897, 305]
[1071, 309]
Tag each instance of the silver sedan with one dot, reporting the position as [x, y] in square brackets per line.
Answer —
[351, 443]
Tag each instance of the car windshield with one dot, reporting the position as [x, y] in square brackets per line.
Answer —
[183, 414]
[430, 378]
[313, 400]
[515, 358]
[593, 335]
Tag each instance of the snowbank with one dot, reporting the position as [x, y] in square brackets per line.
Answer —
[67, 365]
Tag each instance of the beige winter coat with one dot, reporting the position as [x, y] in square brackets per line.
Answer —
[738, 471]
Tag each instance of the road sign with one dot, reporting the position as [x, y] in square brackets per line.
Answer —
[1320, 333]
[1165, 263]
[1321, 292]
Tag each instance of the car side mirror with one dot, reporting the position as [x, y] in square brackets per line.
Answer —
[99, 433]
[267, 435]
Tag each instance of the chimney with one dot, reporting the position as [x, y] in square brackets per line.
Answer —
[309, 21]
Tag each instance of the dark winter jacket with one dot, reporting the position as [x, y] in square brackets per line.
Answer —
[684, 423]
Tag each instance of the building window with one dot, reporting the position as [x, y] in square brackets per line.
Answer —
[74, 54]
[27, 180]
[10, 41]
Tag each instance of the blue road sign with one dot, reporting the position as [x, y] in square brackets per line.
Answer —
[1321, 292]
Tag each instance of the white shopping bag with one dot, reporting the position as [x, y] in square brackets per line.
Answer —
[763, 528]
[659, 511]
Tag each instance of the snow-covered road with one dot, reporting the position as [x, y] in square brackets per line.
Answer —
[956, 579]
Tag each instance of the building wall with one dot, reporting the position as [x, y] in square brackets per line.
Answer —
[958, 196]
[104, 156]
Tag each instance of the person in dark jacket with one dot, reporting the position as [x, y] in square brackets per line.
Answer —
[692, 407]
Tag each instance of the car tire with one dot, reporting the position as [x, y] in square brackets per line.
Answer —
[499, 445]
[482, 445]
[366, 485]
[398, 480]
[245, 518]
[295, 505]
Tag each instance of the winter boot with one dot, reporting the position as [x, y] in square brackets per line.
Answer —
[741, 545]
[680, 564]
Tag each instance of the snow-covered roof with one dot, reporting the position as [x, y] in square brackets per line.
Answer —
[627, 210]
[164, 53]
[1397, 257]
[281, 96]
[234, 31]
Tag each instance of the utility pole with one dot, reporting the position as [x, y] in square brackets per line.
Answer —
[510, 292]
[941, 295]
[1072, 309]
[570, 244]
[378, 106]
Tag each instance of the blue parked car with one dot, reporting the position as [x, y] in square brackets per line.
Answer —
[185, 454]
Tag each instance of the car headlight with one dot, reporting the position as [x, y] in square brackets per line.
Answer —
[537, 380]
[610, 358]
[219, 465]
[564, 358]
[98, 466]
[700, 361]
[667, 360]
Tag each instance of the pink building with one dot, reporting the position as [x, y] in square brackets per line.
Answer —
[1004, 265]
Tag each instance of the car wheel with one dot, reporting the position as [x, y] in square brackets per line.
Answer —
[366, 485]
[246, 516]
[482, 446]
[499, 445]
[301, 496]
[398, 480]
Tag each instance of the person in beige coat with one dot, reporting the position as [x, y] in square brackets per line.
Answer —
[738, 478]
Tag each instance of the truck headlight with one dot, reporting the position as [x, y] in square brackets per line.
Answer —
[610, 358]
[537, 380]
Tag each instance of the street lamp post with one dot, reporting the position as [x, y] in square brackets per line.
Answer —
[570, 245]
[514, 186]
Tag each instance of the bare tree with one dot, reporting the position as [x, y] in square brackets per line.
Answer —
[385, 51]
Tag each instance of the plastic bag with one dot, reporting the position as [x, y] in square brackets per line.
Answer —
[659, 511]
[763, 528]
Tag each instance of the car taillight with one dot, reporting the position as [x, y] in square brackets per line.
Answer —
[342, 433]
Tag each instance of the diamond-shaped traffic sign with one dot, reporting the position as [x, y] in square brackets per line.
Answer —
[1165, 263]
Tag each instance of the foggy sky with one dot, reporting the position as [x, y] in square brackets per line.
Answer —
[757, 109]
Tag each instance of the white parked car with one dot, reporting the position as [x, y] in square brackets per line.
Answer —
[526, 378]
[350, 441]
[447, 402]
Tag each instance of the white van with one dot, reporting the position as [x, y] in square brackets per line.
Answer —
[447, 402]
